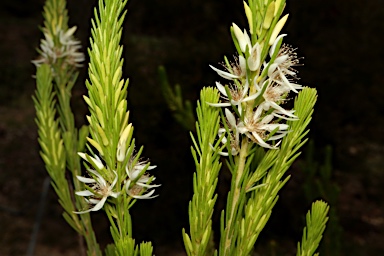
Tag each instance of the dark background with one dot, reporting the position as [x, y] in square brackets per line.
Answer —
[341, 42]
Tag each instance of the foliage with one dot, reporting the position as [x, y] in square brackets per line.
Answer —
[244, 119]
[318, 184]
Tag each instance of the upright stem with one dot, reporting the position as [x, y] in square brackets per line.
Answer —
[235, 192]
[70, 134]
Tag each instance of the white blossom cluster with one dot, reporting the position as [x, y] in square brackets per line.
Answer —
[254, 96]
[61, 45]
[98, 189]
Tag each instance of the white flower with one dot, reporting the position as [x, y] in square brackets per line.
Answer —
[283, 65]
[99, 191]
[71, 47]
[242, 38]
[235, 128]
[66, 47]
[122, 144]
[47, 51]
[238, 96]
[274, 95]
[141, 181]
[233, 125]
[258, 128]
[237, 70]
[245, 42]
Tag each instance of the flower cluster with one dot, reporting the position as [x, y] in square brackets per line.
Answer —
[60, 45]
[136, 183]
[257, 89]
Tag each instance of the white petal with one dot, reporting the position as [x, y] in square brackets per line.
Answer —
[240, 37]
[296, 86]
[242, 65]
[115, 194]
[99, 205]
[82, 155]
[221, 88]
[272, 69]
[240, 109]
[284, 117]
[247, 41]
[224, 74]
[281, 59]
[92, 200]
[261, 141]
[70, 31]
[144, 196]
[230, 117]
[223, 153]
[134, 173]
[286, 82]
[282, 110]
[256, 84]
[242, 128]
[100, 178]
[271, 127]
[115, 180]
[254, 58]
[151, 167]
[257, 113]
[127, 185]
[83, 211]
[86, 180]
[97, 162]
[279, 136]
[219, 104]
[273, 47]
[234, 152]
[84, 193]
[267, 119]
[148, 185]
[252, 97]
[245, 88]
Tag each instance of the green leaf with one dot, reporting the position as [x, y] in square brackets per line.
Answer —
[313, 232]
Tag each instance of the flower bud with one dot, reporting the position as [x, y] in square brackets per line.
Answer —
[280, 24]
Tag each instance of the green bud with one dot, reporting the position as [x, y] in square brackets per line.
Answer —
[116, 76]
[248, 13]
[99, 115]
[280, 24]
[89, 119]
[88, 101]
[118, 92]
[261, 223]
[269, 15]
[188, 243]
[96, 145]
[102, 135]
[46, 159]
[60, 148]
[205, 238]
[277, 6]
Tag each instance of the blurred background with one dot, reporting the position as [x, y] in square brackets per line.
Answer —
[341, 45]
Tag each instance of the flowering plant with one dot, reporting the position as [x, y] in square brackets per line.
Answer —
[250, 126]
[243, 119]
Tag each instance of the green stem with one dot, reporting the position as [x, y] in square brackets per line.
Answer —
[73, 162]
[235, 196]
